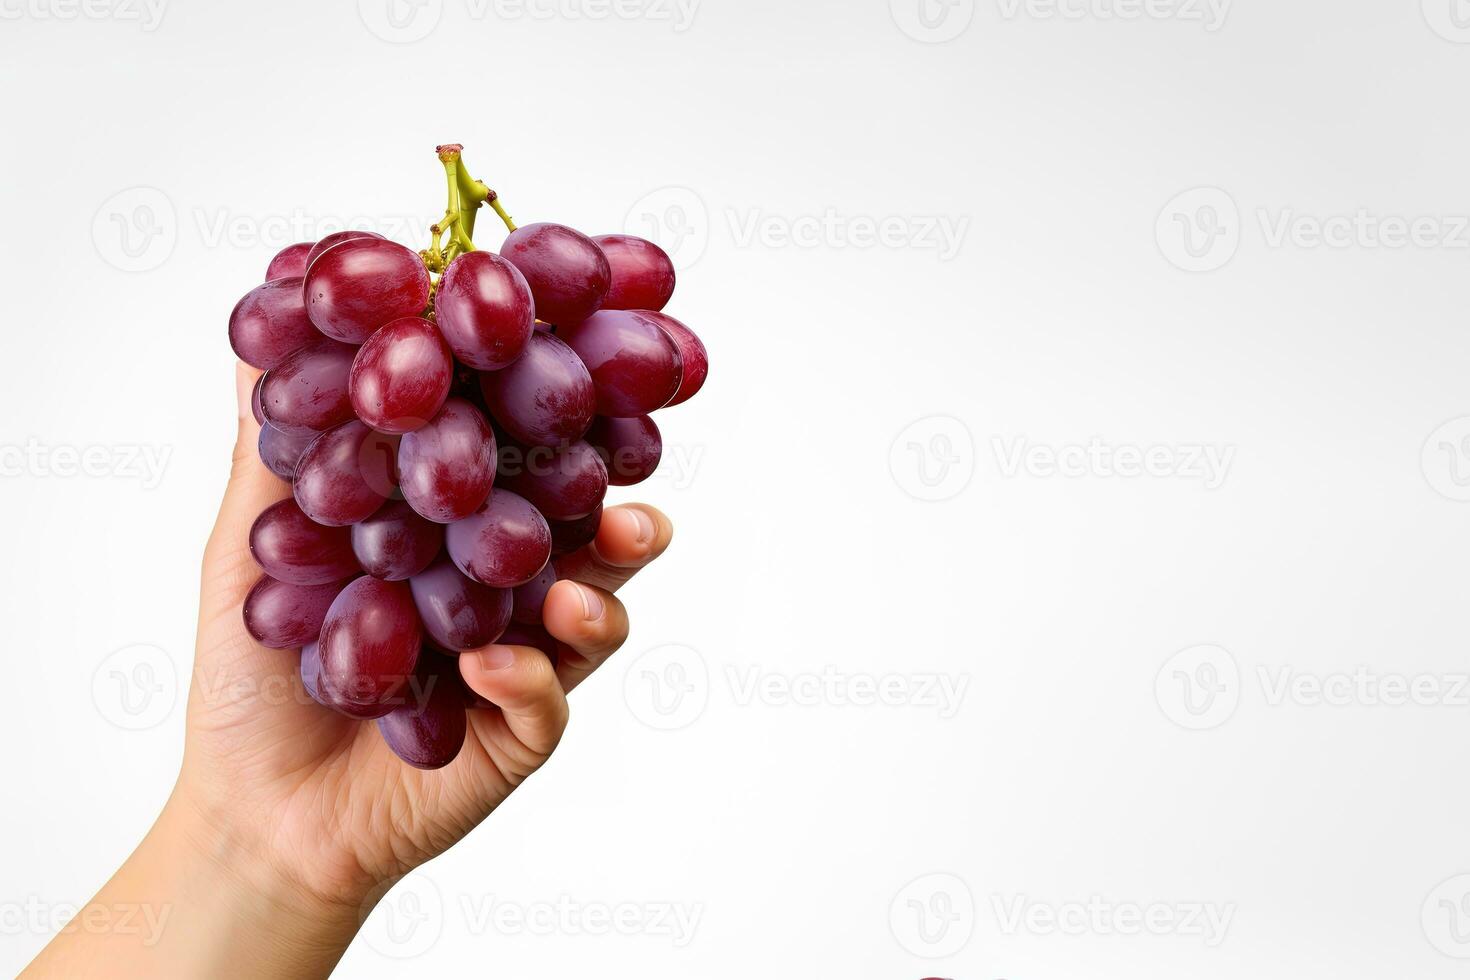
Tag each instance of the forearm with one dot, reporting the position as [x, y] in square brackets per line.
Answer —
[190, 903]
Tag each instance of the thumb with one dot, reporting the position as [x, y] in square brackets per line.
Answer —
[229, 568]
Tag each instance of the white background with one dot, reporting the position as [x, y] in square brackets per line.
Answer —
[1171, 225]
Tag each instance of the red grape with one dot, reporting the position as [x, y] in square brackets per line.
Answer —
[308, 390]
[567, 272]
[631, 448]
[568, 536]
[401, 376]
[335, 238]
[346, 474]
[483, 307]
[546, 397]
[458, 612]
[280, 450]
[269, 323]
[691, 353]
[634, 363]
[370, 642]
[289, 262]
[293, 548]
[503, 544]
[428, 731]
[529, 598]
[354, 288]
[396, 543]
[284, 616]
[642, 274]
[564, 483]
[447, 467]
[255, 408]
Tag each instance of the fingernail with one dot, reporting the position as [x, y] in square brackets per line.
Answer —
[592, 607]
[642, 525]
[497, 657]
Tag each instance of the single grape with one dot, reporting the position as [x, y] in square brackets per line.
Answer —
[396, 543]
[642, 273]
[692, 355]
[483, 307]
[401, 376]
[281, 451]
[293, 548]
[346, 474]
[335, 238]
[567, 272]
[569, 536]
[564, 483]
[370, 642]
[529, 598]
[458, 612]
[270, 323]
[447, 467]
[308, 390]
[284, 616]
[311, 679]
[354, 288]
[428, 732]
[546, 397]
[631, 448]
[289, 262]
[634, 363]
[503, 544]
[255, 408]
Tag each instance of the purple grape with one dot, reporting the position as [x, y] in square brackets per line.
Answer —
[293, 548]
[569, 536]
[529, 598]
[503, 544]
[369, 643]
[354, 288]
[281, 451]
[564, 483]
[567, 272]
[692, 355]
[401, 376]
[308, 390]
[289, 262]
[396, 543]
[634, 363]
[545, 398]
[311, 679]
[631, 448]
[483, 308]
[428, 732]
[447, 467]
[642, 273]
[346, 474]
[284, 616]
[530, 635]
[255, 408]
[335, 238]
[457, 612]
[270, 323]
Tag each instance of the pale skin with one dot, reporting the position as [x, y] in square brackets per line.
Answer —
[288, 822]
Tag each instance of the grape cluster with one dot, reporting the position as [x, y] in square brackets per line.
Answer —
[445, 442]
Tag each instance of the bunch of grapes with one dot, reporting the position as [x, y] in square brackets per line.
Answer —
[450, 421]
